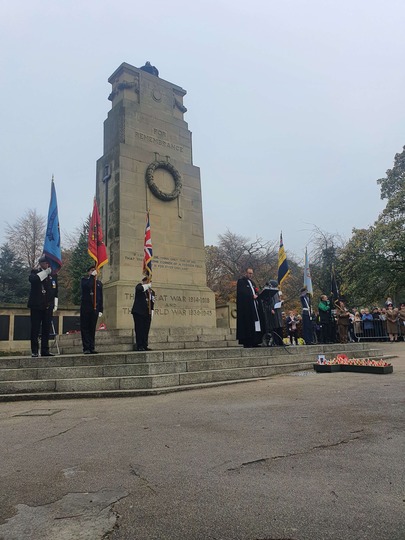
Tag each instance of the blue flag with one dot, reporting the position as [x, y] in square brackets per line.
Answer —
[52, 249]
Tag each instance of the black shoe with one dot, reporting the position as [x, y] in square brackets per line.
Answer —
[34, 355]
[47, 354]
[86, 352]
[93, 352]
[140, 348]
[147, 349]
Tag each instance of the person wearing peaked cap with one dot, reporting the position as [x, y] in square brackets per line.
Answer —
[42, 301]
[90, 309]
[142, 312]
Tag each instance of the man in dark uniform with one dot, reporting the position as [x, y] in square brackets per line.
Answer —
[307, 328]
[42, 301]
[91, 308]
[142, 312]
[271, 303]
[248, 326]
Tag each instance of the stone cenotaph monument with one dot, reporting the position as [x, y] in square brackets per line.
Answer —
[147, 166]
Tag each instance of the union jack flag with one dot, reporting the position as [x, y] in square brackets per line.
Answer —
[147, 250]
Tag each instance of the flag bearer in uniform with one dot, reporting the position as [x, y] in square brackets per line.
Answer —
[42, 301]
[142, 312]
[91, 308]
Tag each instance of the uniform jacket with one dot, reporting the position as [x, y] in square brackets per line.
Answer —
[343, 316]
[142, 300]
[42, 293]
[87, 300]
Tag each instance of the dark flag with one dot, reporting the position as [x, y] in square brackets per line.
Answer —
[147, 250]
[52, 250]
[96, 246]
[334, 288]
[283, 269]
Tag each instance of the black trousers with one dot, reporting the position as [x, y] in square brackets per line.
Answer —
[142, 326]
[40, 322]
[88, 323]
[307, 328]
[326, 334]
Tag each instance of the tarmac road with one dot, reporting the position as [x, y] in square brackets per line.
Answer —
[304, 456]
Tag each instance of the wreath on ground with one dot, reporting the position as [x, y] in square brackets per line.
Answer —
[150, 171]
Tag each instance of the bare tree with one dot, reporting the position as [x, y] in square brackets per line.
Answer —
[26, 237]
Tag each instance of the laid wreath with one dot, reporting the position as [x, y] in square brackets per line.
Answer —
[150, 171]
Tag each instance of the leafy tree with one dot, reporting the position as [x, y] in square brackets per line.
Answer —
[14, 284]
[65, 280]
[373, 262]
[80, 260]
[26, 237]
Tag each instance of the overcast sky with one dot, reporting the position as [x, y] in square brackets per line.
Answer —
[296, 106]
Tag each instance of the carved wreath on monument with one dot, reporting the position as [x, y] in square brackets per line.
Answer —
[149, 175]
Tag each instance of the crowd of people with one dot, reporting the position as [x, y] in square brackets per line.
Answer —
[262, 321]
[330, 323]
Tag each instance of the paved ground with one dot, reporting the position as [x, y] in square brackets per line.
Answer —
[304, 457]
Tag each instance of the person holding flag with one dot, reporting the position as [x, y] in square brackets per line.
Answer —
[91, 305]
[91, 308]
[43, 298]
[144, 299]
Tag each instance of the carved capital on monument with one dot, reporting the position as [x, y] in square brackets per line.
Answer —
[119, 86]
[177, 103]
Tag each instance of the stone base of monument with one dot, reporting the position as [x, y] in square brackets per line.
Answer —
[159, 340]
[119, 374]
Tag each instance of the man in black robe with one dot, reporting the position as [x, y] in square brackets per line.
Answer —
[248, 327]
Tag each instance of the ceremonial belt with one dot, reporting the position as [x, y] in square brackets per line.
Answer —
[305, 309]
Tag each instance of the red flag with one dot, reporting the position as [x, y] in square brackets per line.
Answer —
[147, 250]
[96, 247]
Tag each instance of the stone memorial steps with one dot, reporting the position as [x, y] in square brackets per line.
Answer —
[164, 339]
[142, 373]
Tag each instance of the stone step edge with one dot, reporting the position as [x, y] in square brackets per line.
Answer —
[134, 392]
[238, 347]
[160, 375]
[169, 362]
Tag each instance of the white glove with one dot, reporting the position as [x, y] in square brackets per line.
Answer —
[43, 274]
[147, 286]
[55, 304]
[100, 314]
[94, 273]
[151, 313]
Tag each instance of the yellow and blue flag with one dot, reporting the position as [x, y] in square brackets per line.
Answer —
[283, 269]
